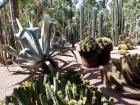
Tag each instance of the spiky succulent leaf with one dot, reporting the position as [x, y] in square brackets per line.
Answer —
[28, 55]
[9, 49]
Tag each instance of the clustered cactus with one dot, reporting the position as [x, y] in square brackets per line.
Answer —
[122, 49]
[95, 51]
[56, 89]
[90, 15]
[105, 43]
[117, 20]
[123, 39]
[106, 46]
[89, 44]
[124, 76]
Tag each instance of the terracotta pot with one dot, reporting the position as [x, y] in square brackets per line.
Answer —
[104, 57]
[89, 59]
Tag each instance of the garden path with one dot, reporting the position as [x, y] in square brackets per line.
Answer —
[92, 74]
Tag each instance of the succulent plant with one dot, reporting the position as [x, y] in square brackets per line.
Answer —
[122, 49]
[81, 21]
[123, 76]
[101, 21]
[56, 89]
[105, 43]
[123, 39]
[117, 20]
[94, 21]
[106, 46]
[37, 49]
[88, 45]
[72, 32]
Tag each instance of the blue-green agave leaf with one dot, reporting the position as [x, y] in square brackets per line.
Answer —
[20, 28]
[47, 40]
[26, 54]
[27, 42]
[36, 42]
[41, 40]
[34, 30]
[9, 49]
[29, 39]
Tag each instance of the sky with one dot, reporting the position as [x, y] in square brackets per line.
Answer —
[1, 1]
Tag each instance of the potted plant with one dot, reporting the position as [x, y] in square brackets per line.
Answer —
[88, 49]
[106, 46]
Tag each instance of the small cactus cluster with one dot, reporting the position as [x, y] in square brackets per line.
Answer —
[105, 43]
[56, 89]
[106, 46]
[122, 49]
[89, 44]
[123, 76]
[123, 39]
[95, 51]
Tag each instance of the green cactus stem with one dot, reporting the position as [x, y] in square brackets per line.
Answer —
[81, 20]
[68, 92]
[88, 45]
[117, 20]
[94, 21]
[100, 29]
[106, 45]
[124, 79]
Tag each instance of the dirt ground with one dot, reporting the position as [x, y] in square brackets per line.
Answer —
[92, 74]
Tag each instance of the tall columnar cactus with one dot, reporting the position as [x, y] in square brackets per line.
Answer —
[72, 31]
[94, 21]
[117, 20]
[100, 28]
[121, 17]
[81, 20]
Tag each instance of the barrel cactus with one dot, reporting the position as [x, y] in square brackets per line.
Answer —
[122, 49]
[106, 45]
[89, 49]
[89, 44]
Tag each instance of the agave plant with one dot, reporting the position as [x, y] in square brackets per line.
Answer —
[36, 46]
